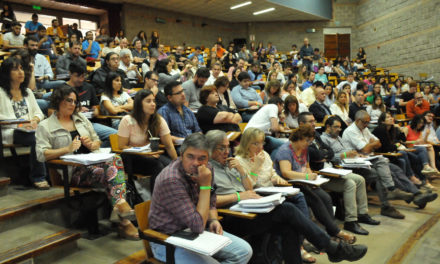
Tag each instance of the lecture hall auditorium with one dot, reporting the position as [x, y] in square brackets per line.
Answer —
[234, 131]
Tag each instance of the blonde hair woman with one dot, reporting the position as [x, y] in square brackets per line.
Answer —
[340, 106]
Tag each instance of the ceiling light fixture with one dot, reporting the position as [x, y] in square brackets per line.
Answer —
[264, 11]
[241, 5]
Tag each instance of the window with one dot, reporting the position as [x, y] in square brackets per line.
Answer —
[23, 17]
[86, 25]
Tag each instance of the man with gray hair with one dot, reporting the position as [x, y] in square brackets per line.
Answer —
[184, 197]
[358, 137]
[233, 185]
[130, 69]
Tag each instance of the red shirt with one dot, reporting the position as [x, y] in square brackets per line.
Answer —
[412, 109]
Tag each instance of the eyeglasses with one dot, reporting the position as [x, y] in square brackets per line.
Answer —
[71, 101]
[177, 93]
[155, 80]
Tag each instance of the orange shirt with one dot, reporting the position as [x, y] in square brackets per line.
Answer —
[220, 52]
[412, 109]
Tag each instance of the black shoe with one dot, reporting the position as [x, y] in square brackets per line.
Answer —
[354, 227]
[391, 212]
[422, 199]
[366, 219]
[342, 251]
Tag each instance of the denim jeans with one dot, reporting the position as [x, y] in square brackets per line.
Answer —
[404, 164]
[239, 251]
[49, 85]
[37, 169]
[104, 133]
[44, 105]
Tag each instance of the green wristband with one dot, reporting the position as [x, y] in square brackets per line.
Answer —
[253, 174]
[345, 154]
[205, 187]
[307, 176]
[238, 197]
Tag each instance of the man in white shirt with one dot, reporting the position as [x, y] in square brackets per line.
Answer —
[267, 119]
[130, 69]
[216, 71]
[350, 80]
[358, 137]
[13, 40]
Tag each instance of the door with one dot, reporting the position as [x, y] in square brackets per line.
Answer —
[336, 45]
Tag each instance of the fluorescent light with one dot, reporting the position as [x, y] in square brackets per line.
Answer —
[241, 5]
[264, 11]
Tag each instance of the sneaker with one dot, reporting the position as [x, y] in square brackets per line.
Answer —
[42, 185]
[391, 212]
[398, 194]
[428, 171]
[337, 252]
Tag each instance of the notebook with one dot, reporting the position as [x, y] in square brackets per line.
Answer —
[319, 181]
[341, 172]
[285, 191]
[145, 148]
[88, 159]
[206, 243]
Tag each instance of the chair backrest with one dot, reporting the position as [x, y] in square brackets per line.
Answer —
[242, 126]
[142, 211]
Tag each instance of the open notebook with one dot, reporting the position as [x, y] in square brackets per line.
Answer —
[286, 191]
[319, 180]
[145, 148]
[261, 205]
[88, 159]
[206, 243]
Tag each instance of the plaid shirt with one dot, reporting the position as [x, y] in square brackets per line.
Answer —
[180, 126]
[174, 201]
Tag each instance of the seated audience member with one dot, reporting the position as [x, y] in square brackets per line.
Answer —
[139, 55]
[220, 52]
[309, 82]
[292, 109]
[271, 90]
[429, 132]
[102, 36]
[180, 119]
[90, 47]
[292, 162]
[150, 83]
[18, 102]
[55, 31]
[71, 38]
[114, 101]
[75, 31]
[198, 54]
[244, 53]
[435, 94]
[376, 108]
[123, 44]
[318, 108]
[163, 68]
[358, 66]
[234, 184]
[414, 137]
[66, 132]
[13, 40]
[73, 54]
[407, 95]
[321, 76]
[87, 99]
[241, 64]
[211, 117]
[427, 94]
[183, 196]
[308, 95]
[376, 91]
[417, 106]
[180, 57]
[174, 68]
[254, 72]
[192, 88]
[109, 47]
[245, 97]
[136, 129]
[340, 107]
[345, 67]
[350, 80]
[268, 120]
[357, 137]
[289, 88]
[357, 105]
[234, 81]
[130, 69]
[46, 45]
[142, 37]
[31, 26]
[392, 138]
[347, 89]
[330, 96]
[224, 93]
[216, 72]
[111, 64]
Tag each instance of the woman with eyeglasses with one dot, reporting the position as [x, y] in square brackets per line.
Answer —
[292, 162]
[68, 131]
[18, 102]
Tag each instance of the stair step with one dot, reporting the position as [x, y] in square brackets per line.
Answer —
[138, 257]
[33, 240]
[4, 183]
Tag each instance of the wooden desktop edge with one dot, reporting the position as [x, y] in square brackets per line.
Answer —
[236, 214]
[154, 234]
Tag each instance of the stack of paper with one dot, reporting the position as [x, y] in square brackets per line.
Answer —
[138, 149]
[340, 172]
[356, 163]
[206, 243]
[261, 205]
[285, 191]
[319, 180]
[88, 159]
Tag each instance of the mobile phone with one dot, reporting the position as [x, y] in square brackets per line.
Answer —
[186, 234]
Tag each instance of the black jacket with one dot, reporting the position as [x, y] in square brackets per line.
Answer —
[318, 151]
[318, 111]
[98, 78]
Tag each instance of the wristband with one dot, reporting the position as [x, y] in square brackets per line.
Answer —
[307, 176]
[345, 154]
[205, 187]
[238, 197]
[253, 174]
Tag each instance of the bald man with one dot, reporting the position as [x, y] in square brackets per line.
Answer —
[318, 108]
[306, 54]
[417, 106]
